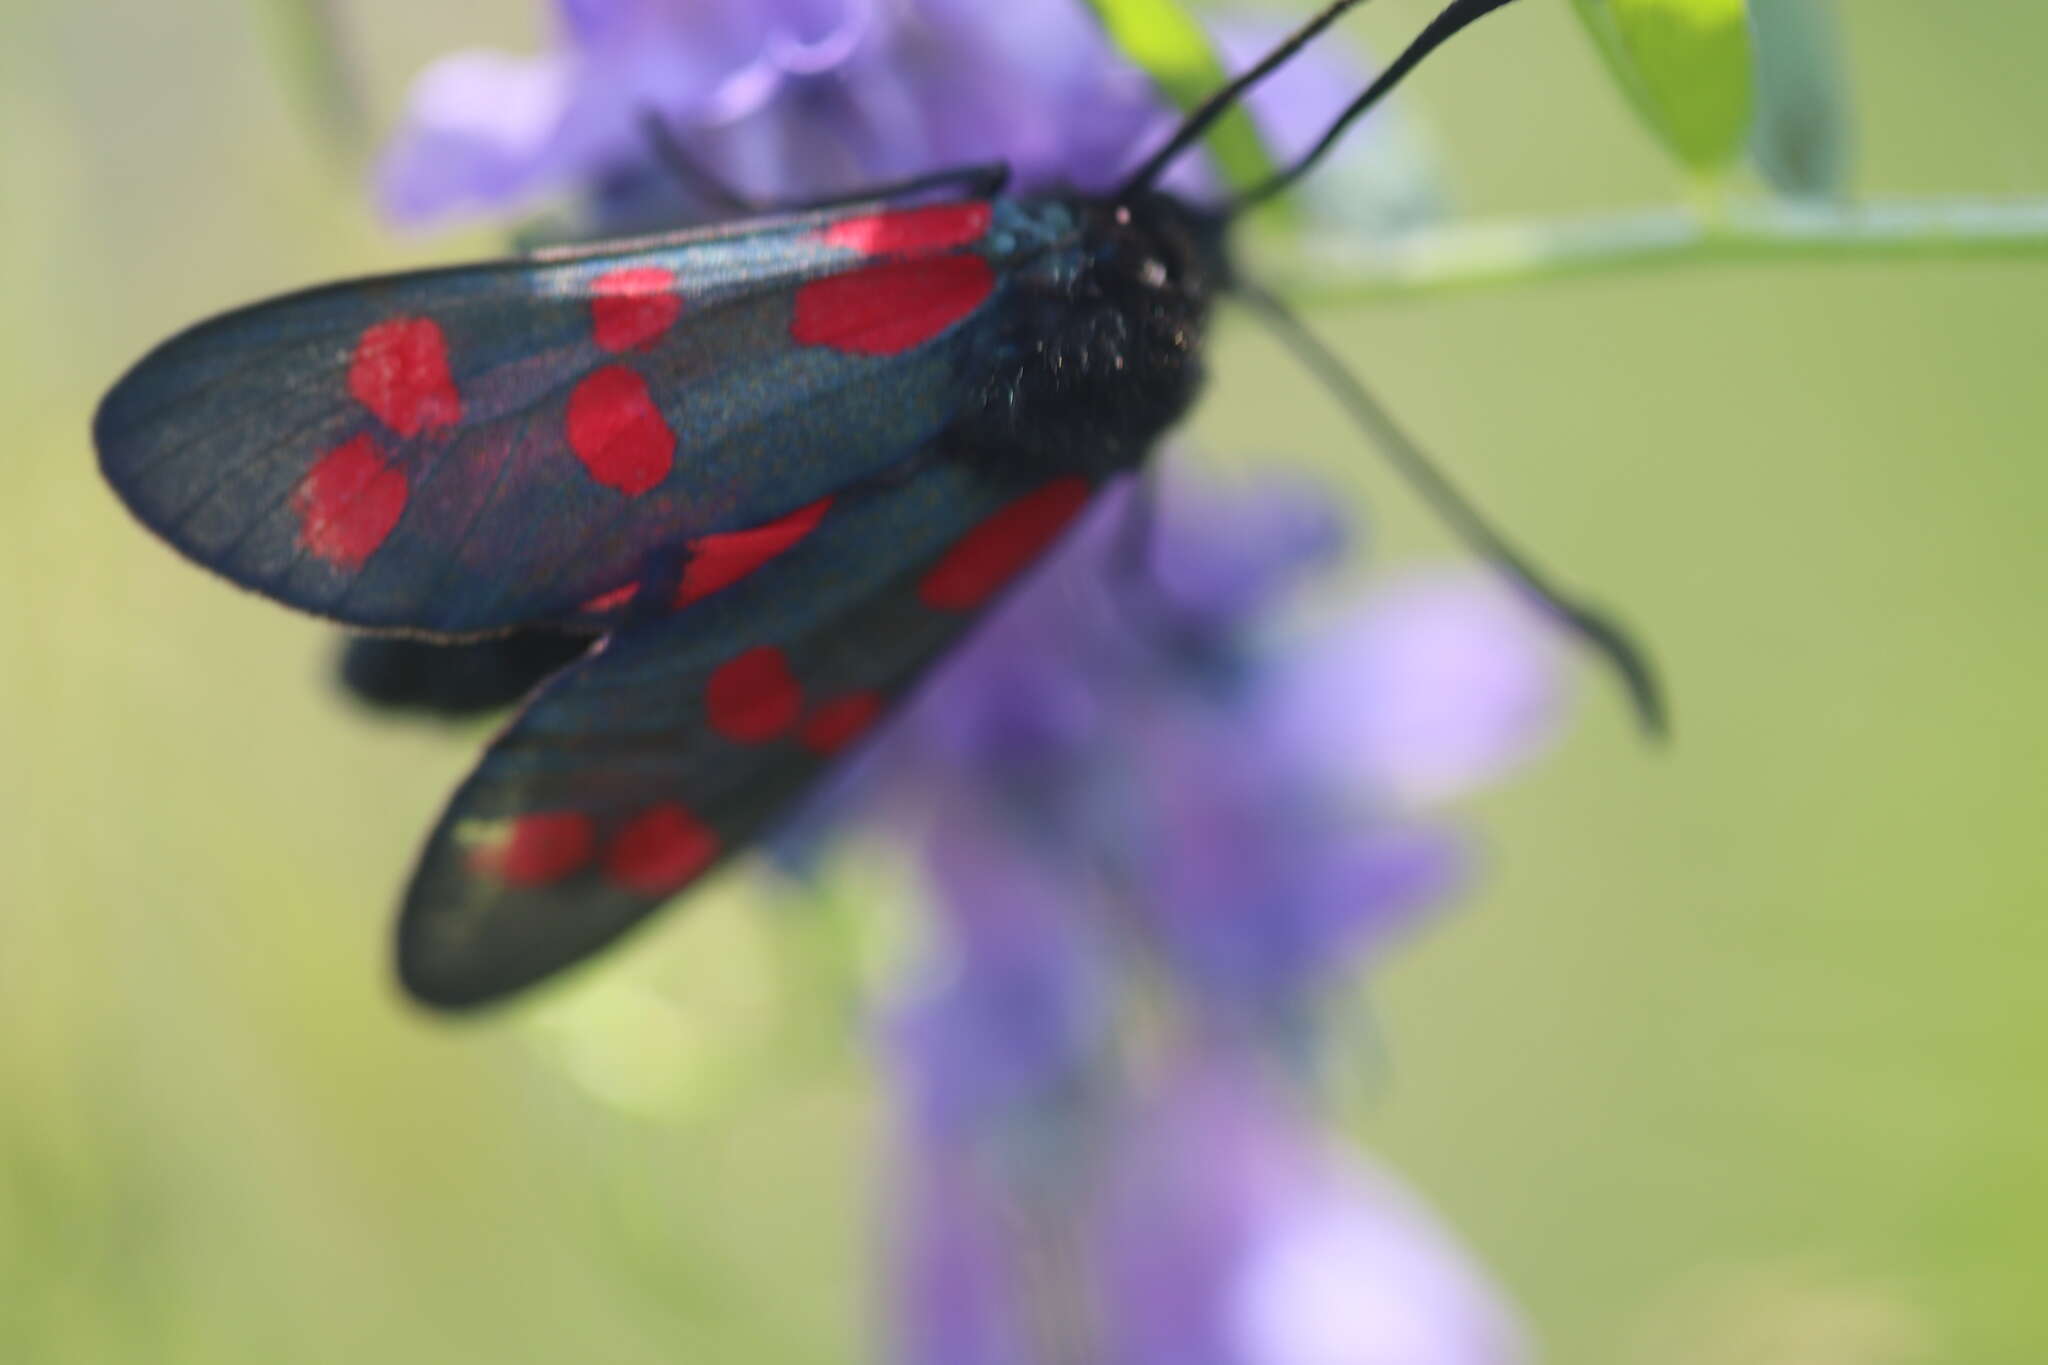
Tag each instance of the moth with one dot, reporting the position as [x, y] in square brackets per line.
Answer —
[772, 469]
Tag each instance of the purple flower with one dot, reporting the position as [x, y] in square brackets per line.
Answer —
[1201, 1220]
[957, 1276]
[796, 98]
[1434, 684]
[1018, 1005]
[1152, 749]
[1234, 1232]
[1148, 791]
[1138, 788]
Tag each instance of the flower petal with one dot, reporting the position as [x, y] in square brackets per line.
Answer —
[1359, 1273]
[1011, 1008]
[480, 128]
[1432, 686]
[1236, 1232]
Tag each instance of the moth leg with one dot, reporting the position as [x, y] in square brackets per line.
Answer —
[979, 181]
[694, 177]
[1131, 558]
[1134, 584]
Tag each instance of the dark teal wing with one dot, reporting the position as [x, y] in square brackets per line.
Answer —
[677, 742]
[459, 451]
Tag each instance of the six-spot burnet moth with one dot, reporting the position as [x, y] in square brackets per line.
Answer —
[774, 467]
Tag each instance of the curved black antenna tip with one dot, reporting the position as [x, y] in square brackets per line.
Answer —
[1603, 635]
[1631, 663]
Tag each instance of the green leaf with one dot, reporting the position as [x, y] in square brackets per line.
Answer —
[1174, 50]
[1804, 140]
[1687, 67]
[306, 37]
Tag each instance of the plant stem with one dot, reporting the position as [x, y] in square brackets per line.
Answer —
[1324, 270]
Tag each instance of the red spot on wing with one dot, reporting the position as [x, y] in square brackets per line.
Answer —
[618, 432]
[613, 600]
[934, 227]
[540, 850]
[348, 503]
[400, 372]
[840, 722]
[997, 550]
[889, 308]
[752, 698]
[719, 561]
[660, 850]
[633, 307]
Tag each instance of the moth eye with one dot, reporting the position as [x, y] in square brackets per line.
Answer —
[1154, 274]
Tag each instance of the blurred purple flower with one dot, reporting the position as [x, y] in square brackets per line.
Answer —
[1137, 790]
[957, 1283]
[1021, 1003]
[1202, 1220]
[1234, 1232]
[793, 98]
[1139, 794]
[1148, 747]
[1433, 684]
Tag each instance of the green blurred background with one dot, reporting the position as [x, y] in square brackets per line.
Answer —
[1737, 1056]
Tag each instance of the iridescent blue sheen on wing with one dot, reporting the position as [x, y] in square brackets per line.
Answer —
[463, 450]
[677, 742]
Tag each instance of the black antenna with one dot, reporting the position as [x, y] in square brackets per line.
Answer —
[1456, 16]
[1225, 99]
[1606, 637]
[1602, 634]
